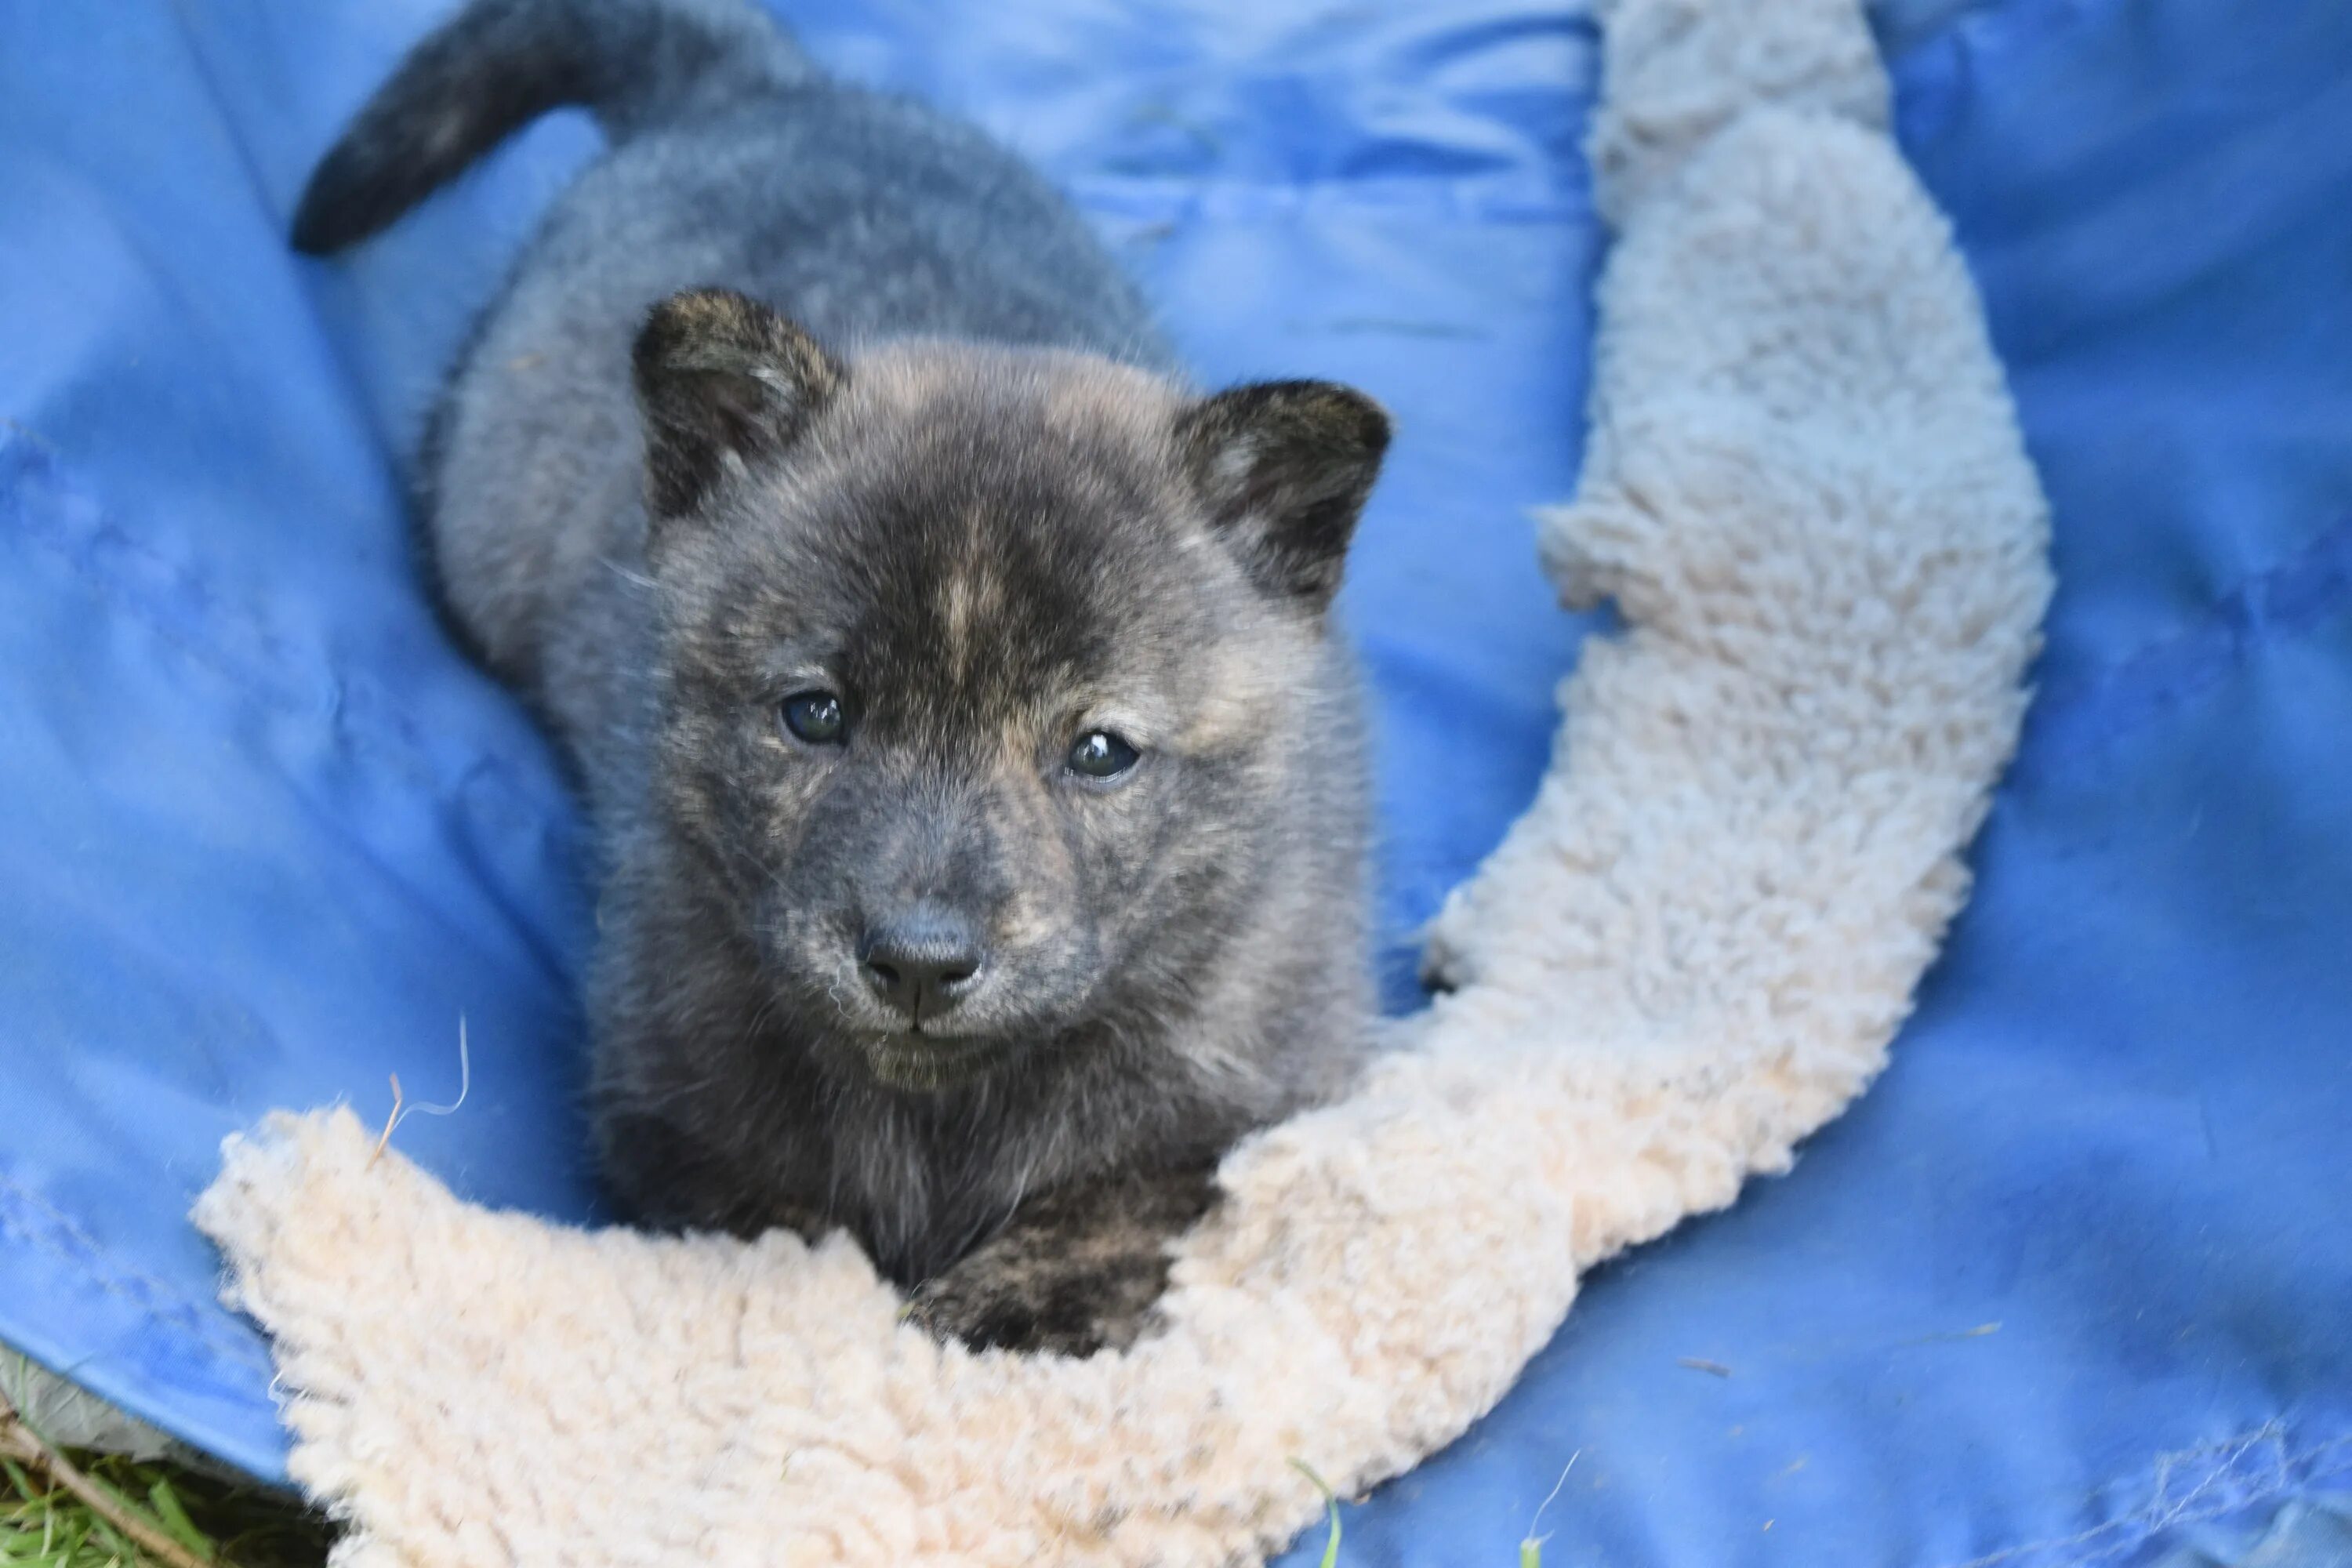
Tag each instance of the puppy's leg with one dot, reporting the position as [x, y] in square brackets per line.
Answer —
[1073, 1272]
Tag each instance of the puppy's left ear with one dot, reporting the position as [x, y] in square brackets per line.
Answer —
[1285, 467]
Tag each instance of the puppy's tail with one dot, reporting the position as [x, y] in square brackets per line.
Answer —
[500, 64]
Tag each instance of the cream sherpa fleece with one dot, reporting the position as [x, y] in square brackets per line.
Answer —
[1806, 490]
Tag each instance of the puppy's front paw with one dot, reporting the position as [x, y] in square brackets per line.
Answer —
[1077, 1272]
[1016, 1303]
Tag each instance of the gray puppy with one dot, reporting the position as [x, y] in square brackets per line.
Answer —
[978, 782]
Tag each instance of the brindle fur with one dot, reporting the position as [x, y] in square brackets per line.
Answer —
[801, 386]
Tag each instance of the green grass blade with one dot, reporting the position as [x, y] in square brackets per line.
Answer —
[174, 1517]
[1330, 1502]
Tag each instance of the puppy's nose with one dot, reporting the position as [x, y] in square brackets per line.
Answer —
[923, 961]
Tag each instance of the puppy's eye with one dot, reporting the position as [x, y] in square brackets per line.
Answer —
[1099, 754]
[815, 716]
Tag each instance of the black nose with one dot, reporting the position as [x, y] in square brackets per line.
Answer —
[921, 962]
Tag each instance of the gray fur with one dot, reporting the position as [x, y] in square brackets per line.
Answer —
[923, 448]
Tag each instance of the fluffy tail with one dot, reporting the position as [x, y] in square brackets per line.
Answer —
[500, 64]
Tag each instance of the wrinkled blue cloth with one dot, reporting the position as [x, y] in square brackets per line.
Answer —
[2072, 1284]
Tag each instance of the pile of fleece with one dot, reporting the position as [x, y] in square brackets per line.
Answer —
[1805, 491]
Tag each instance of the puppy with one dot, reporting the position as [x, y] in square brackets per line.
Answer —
[977, 778]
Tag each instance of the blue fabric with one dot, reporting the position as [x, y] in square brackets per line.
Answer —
[2072, 1284]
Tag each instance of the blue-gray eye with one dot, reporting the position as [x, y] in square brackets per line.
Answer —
[815, 717]
[1099, 754]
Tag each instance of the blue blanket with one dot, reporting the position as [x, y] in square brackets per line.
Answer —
[2074, 1285]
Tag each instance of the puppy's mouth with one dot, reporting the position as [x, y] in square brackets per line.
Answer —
[910, 1060]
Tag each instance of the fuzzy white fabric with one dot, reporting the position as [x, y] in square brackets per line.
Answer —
[1806, 490]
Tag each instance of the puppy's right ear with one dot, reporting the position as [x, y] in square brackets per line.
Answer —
[721, 380]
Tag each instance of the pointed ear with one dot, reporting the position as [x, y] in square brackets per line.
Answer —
[720, 379]
[1285, 467]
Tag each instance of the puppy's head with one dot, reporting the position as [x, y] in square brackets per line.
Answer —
[986, 673]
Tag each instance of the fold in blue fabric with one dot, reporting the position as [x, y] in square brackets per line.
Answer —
[2072, 1284]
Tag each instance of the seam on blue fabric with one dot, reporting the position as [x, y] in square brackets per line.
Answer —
[1172, 198]
[2222, 1483]
[32, 1219]
[2285, 600]
[232, 125]
[36, 494]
